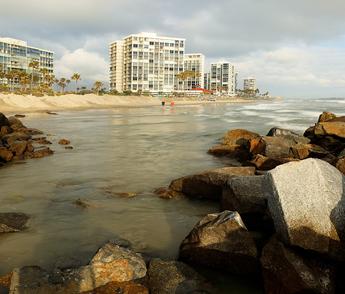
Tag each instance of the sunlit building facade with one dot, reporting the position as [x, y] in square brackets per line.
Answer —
[249, 84]
[223, 78]
[146, 62]
[194, 63]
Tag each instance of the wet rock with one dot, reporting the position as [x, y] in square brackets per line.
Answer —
[341, 165]
[3, 120]
[166, 277]
[245, 194]
[239, 137]
[5, 283]
[330, 128]
[226, 150]
[287, 134]
[69, 147]
[278, 147]
[39, 153]
[287, 272]
[5, 155]
[16, 136]
[19, 115]
[342, 154]
[64, 142]
[18, 148]
[12, 222]
[82, 203]
[15, 123]
[31, 131]
[111, 263]
[166, 193]
[264, 163]
[307, 203]
[42, 141]
[326, 116]
[121, 288]
[5, 130]
[209, 184]
[222, 241]
[51, 113]
[126, 194]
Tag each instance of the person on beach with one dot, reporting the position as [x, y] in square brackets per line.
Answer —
[172, 103]
[163, 102]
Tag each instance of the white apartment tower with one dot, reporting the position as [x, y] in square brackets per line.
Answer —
[249, 84]
[207, 80]
[223, 78]
[194, 63]
[146, 62]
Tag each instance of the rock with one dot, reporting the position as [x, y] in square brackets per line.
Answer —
[42, 141]
[222, 241]
[226, 150]
[286, 272]
[16, 136]
[111, 263]
[42, 152]
[330, 128]
[342, 154]
[209, 184]
[341, 165]
[3, 120]
[326, 116]
[245, 194]
[5, 155]
[18, 148]
[278, 147]
[264, 163]
[12, 222]
[69, 147]
[19, 115]
[64, 142]
[338, 119]
[121, 288]
[5, 130]
[5, 283]
[307, 203]
[126, 194]
[15, 123]
[51, 113]
[166, 193]
[238, 137]
[166, 277]
[82, 203]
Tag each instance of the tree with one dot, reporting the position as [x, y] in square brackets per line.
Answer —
[97, 86]
[34, 65]
[76, 77]
[62, 83]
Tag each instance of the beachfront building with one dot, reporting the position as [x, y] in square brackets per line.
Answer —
[146, 62]
[17, 55]
[194, 64]
[223, 78]
[207, 76]
[249, 84]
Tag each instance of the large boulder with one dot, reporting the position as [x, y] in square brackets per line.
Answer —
[238, 137]
[5, 154]
[330, 128]
[287, 134]
[287, 272]
[166, 277]
[326, 116]
[221, 240]
[209, 184]
[15, 123]
[265, 163]
[245, 194]
[306, 200]
[12, 222]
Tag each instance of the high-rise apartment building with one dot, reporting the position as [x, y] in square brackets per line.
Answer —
[146, 62]
[17, 55]
[223, 78]
[207, 80]
[194, 63]
[249, 84]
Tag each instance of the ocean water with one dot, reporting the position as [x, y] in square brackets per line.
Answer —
[127, 150]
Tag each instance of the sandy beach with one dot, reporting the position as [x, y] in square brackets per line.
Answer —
[18, 103]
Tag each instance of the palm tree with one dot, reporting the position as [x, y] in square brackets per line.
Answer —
[62, 83]
[34, 65]
[97, 86]
[76, 77]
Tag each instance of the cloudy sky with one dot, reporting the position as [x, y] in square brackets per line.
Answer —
[294, 48]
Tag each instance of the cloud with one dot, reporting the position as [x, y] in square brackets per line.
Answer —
[90, 65]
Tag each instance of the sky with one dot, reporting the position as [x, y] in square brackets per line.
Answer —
[294, 48]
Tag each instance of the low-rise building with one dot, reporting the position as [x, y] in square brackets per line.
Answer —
[249, 84]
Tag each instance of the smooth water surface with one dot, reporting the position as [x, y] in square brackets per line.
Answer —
[126, 150]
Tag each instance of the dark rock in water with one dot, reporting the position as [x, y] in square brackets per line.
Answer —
[82, 203]
[12, 222]
[51, 113]
[245, 194]
[227, 150]
[16, 136]
[15, 123]
[221, 241]
[18, 148]
[5, 155]
[5, 283]
[42, 141]
[64, 142]
[69, 147]
[39, 153]
[209, 184]
[278, 132]
[288, 272]
[20, 115]
[306, 200]
[326, 116]
[3, 120]
[166, 193]
[166, 277]
[116, 287]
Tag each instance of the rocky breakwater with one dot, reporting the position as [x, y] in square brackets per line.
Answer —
[18, 142]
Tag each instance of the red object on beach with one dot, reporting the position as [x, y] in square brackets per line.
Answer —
[172, 103]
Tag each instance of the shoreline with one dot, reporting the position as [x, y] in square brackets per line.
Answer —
[12, 103]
